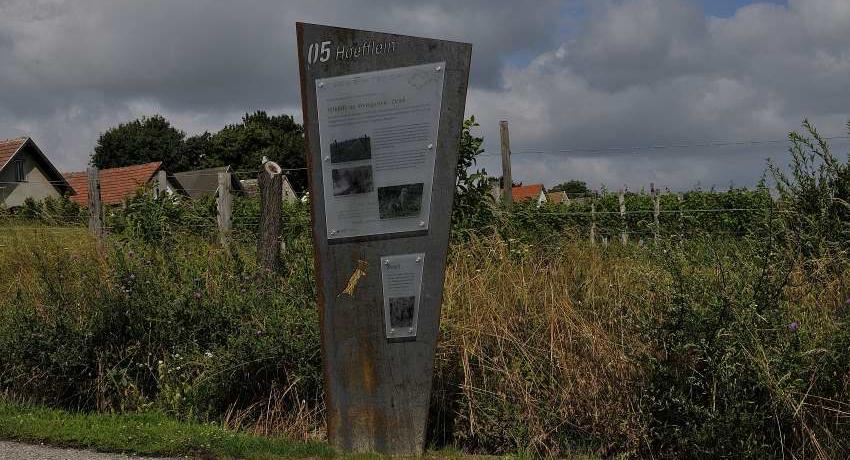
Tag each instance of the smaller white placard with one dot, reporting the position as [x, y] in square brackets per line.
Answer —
[401, 277]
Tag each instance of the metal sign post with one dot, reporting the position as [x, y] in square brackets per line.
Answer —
[383, 115]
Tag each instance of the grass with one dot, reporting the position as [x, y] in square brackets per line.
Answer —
[149, 433]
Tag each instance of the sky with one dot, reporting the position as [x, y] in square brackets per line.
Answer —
[586, 85]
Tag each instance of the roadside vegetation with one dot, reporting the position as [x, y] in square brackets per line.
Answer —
[728, 339]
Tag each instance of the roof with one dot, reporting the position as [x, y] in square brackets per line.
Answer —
[116, 184]
[526, 192]
[557, 197]
[204, 182]
[10, 147]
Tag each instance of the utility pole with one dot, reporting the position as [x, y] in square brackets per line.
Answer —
[507, 181]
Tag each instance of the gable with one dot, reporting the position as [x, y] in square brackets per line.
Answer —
[25, 148]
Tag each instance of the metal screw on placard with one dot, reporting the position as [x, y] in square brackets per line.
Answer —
[410, 331]
[418, 259]
[438, 68]
[321, 84]
[392, 331]
[421, 223]
[333, 232]
[327, 158]
[430, 146]
[387, 262]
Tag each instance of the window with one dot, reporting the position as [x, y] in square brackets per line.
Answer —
[19, 171]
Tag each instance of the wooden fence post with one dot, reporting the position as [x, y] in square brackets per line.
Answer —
[95, 210]
[161, 184]
[656, 211]
[224, 203]
[624, 236]
[593, 224]
[681, 200]
[270, 182]
[507, 181]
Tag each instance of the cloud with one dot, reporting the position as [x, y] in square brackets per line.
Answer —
[71, 69]
[566, 74]
[660, 72]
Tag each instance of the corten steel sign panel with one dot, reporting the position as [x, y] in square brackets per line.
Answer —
[383, 115]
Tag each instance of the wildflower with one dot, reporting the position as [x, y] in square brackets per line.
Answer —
[847, 302]
[208, 354]
[794, 326]
[259, 333]
[197, 295]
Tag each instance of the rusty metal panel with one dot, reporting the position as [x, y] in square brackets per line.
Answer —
[377, 388]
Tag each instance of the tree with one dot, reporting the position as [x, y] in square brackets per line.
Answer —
[140, 141]
[473, 204]
[573, 187]
[243, 145]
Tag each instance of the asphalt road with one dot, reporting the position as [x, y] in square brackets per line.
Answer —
[18, 451]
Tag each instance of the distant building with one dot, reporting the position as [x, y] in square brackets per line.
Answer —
[118, 184]
[557, 198]
[25, 172]
[534, 192]
[204, 182]
[250, 187]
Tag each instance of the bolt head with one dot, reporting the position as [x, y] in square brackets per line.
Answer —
[438, 68]
[430, 146]
[321, 84]
[421, 223]
[418, 259]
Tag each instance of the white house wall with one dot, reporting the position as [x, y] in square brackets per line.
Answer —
[37, 184]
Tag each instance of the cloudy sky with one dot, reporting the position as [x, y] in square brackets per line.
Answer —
[582, 82]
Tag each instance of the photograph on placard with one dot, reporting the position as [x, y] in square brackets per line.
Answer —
[400, 201]
[351, 181]
[401, 311]
[356, 149]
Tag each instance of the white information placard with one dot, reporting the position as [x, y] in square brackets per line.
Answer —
[401, 279]
[378, 138]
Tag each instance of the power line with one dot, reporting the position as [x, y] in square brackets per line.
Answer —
[717, 143]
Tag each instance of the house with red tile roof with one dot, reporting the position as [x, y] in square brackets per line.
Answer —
[558, 197]
[118, 184]
[25, 172]
[534, 192]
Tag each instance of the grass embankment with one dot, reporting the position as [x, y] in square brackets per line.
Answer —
[149, 433]
[712, 347]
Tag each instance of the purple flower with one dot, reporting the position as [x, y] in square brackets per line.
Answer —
[794, 326]
[259, 333]
[847, 302]
[197, 295]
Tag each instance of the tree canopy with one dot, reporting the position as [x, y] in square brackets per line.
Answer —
[571, 187]
[241, 146]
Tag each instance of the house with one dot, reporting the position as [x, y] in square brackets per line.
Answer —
[204, 182]
[534, 192]
[25, 172]
[118, 184]
[288, 195]
[557, 197]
